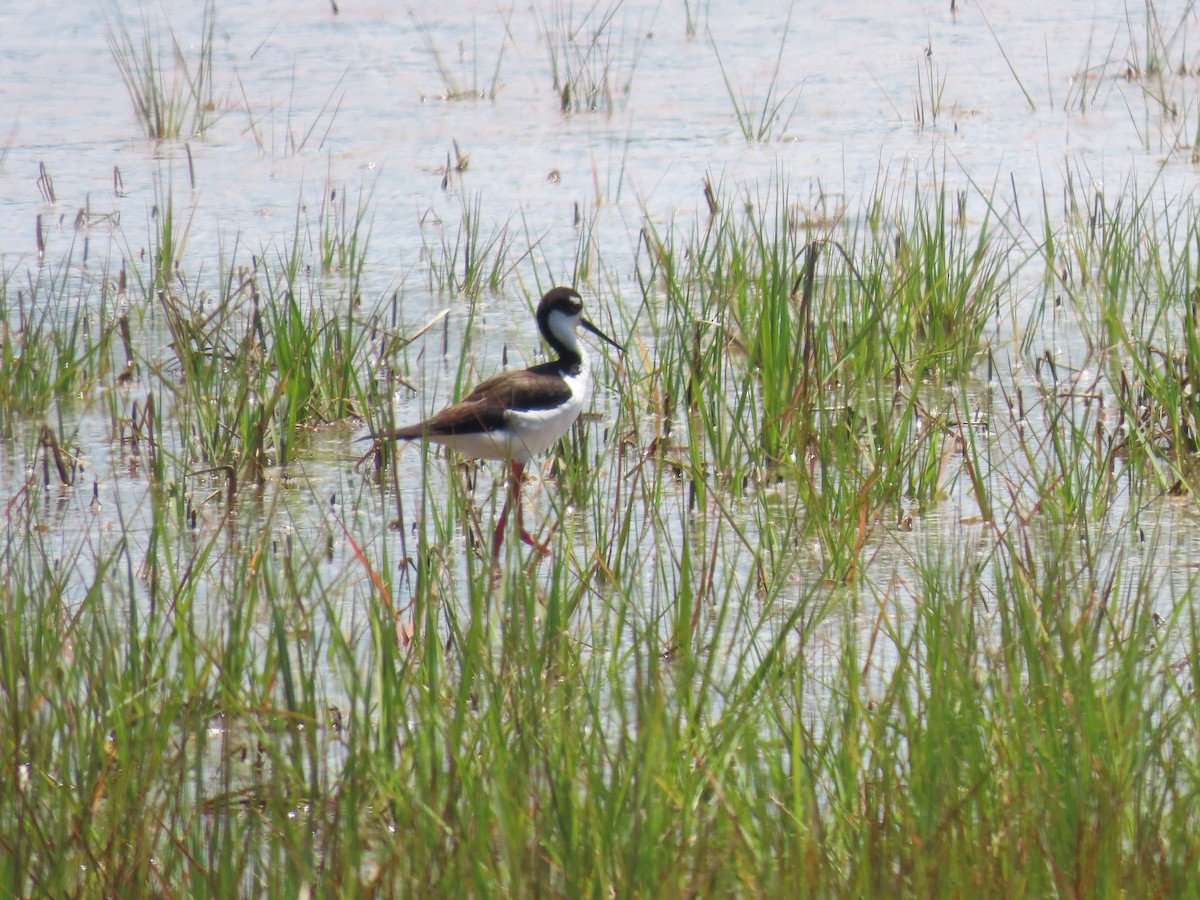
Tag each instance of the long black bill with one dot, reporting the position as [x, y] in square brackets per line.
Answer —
[600, 334]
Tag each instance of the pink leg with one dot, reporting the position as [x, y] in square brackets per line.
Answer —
[518, 472]
[498, 535]
[514, 496]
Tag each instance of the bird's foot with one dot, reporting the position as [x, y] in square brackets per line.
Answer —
[542, 549]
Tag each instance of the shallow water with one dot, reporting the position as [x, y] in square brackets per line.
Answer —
[1009, 107]
[366, 85]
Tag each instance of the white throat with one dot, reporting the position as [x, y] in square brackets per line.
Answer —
[563, 326]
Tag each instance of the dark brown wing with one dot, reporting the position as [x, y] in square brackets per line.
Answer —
[462, 418]
[486, 407]
[541, 387]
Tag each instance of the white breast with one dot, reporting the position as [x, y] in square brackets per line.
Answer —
[536, 430]
[527, 432]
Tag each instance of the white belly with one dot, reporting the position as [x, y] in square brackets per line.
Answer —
[535, 431]
[483, 445]
[527, 432]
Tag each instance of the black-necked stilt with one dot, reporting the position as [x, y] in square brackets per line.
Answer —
[515, 415]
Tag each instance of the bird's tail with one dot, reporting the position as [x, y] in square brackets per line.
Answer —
[407, 433]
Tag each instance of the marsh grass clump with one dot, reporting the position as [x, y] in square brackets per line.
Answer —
[1159, 421]
[592, 63]
[168, 240]
[342, 237]
[172, 96]
[945, 282]
[759, 117]
[1128, 268]
[463, 82]
[57, 338]
[931, 86]
[473, 258]
[260, 364]
[824, 356]
[258, 356]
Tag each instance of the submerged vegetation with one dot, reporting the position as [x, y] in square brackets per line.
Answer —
[173, 96]
[871, 566]
[593, 53]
